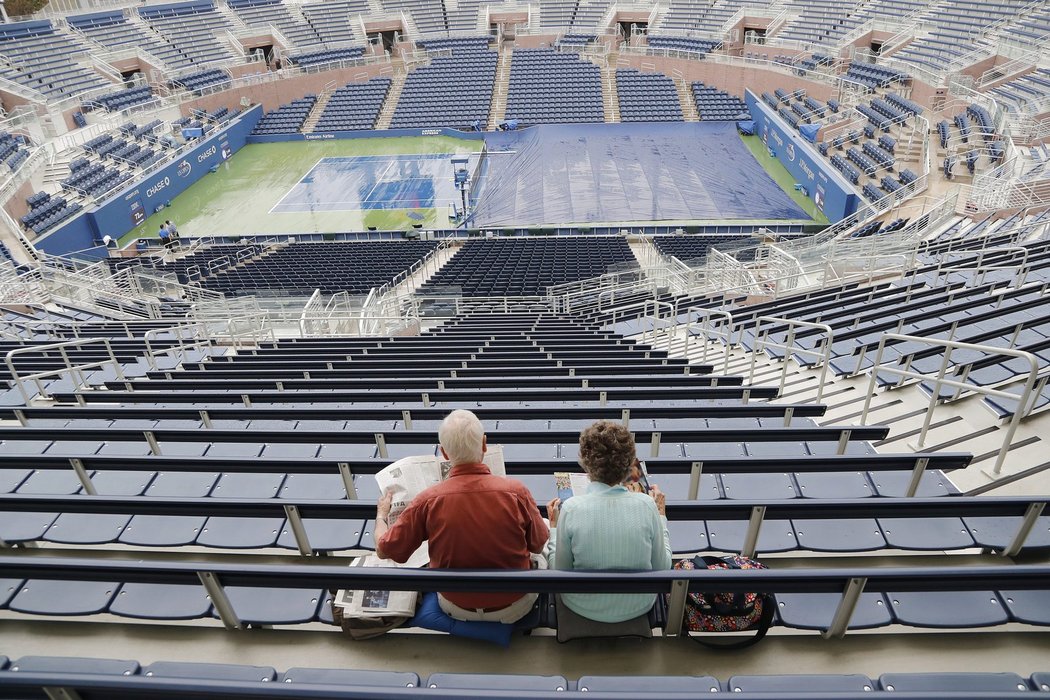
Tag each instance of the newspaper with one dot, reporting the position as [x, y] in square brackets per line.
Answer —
[407, 478]
[376, 603]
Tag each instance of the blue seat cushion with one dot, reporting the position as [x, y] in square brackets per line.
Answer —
[430, 616]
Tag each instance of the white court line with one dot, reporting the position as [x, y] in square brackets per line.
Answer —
[293, 187]
[368, 197]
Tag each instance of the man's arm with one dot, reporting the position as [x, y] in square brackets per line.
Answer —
[536, 532]
[400, 541]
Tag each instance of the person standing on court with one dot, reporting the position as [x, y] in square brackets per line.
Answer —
[173, 231]
[472, 520]
[165, 236]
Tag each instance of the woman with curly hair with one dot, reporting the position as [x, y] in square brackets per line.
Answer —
[609, 527]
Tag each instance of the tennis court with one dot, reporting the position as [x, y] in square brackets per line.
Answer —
[361, 183]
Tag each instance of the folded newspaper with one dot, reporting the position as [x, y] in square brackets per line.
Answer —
[405, 479]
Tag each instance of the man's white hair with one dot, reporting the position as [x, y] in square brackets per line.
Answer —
[461, 436]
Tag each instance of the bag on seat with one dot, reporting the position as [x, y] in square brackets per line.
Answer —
[727, 612]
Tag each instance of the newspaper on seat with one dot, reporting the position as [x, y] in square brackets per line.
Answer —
[405, 479]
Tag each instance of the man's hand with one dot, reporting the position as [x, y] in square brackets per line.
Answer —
[383, 507]
[552, 511]
[660, 498]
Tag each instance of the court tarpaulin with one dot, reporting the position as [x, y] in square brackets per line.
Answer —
[595, 173]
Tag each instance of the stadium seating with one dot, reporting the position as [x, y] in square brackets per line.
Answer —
[355, 106]
[301, 268]
[1026, 91]
[44, 60]
[195, 82]
[264, 13]
[694, 248]
[697, 47]
[286, 119]
[647, 97]
[453, 91]
[715, 105]
[317, 58]
[114, 30]
[13, 149]
[47, 211]
[331, 19]
[550, 87]
[190, 27]
[527, 267]
[123, 99]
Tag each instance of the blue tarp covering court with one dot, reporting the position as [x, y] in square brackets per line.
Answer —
[603, 173]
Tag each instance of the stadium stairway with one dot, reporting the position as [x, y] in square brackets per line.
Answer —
[685, 98]
[318, 109]
[610, 100]
[386, 115]
[500, 88]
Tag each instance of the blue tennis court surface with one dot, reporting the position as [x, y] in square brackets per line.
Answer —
[419, 181]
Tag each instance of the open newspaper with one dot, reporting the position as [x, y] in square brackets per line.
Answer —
[405, 479]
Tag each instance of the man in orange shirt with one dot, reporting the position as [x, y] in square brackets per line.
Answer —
[472, 520]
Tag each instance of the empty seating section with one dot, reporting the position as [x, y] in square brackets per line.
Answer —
[589, 13]
[695, 248]
[315, 58]
[354, 107]
[452, 91]
[197, 81]
[550, 87]
[46, 211]
[715, 105]
[114, 30]
[686, 44]
[263, 13]
[957, 29]
[1026, 92]
[526, 267]
[286, 119]
[428, 16]
[13, 149]
[40, 58]
[331, 19]
[123, 99]
[301, 268]
[190, 27]
[647, 97]
[690, 16]
[820, 21]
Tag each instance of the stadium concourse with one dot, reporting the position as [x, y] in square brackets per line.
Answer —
[801, 250]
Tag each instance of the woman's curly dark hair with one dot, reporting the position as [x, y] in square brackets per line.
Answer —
[607, 452]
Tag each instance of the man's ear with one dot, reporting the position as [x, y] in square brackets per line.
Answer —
[444, 454]
[484, 444]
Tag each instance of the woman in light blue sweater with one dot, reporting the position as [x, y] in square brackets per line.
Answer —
[609, 527]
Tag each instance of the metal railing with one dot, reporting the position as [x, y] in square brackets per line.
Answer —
[761, 342]
[75, 370]
[1025, 399]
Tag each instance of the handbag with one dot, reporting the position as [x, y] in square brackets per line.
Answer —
[727, 612]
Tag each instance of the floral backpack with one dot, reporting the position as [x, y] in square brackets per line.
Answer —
[727, 612]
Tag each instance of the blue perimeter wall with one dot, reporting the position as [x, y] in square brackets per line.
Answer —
[386, 133]
[128, 208]
[833, 194]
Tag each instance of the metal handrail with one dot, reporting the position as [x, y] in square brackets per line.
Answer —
[707, 331]
[981, 269]
[762, 342]
[1025, 397]
[75, 370]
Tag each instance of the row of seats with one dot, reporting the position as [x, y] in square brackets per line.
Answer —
[354, 106]
[548, 86]
[451, 91]
[286, 119]
[647, 97]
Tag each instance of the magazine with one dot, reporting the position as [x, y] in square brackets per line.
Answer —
[569, 484]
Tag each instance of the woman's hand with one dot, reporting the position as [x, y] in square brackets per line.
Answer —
[660, 499]
[634, 486]
[552, 511]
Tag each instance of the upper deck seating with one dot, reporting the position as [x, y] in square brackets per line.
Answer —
[191, 27]
[332, 20]
[114, 30]
[263, 13]
[45, 60]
